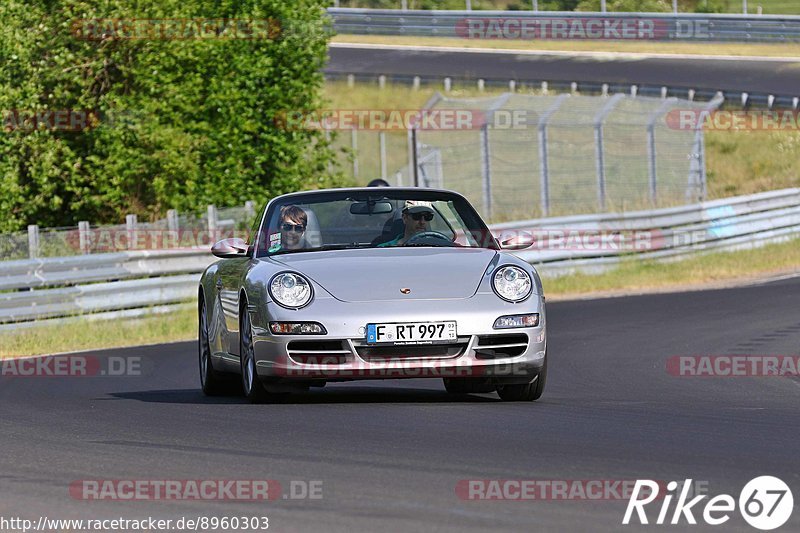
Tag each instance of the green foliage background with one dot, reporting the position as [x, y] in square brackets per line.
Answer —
[184, 123]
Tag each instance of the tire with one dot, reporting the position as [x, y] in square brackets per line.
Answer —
[527, 392]
[212, 382]
[467, 385]
[251, 386]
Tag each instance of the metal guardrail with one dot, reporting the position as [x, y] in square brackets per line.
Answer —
[44, 291]
[569, 25]
[668, 234]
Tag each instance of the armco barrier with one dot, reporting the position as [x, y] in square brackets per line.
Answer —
[138, 282]
[509, 25]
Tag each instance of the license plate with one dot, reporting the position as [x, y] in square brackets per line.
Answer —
[412, 333]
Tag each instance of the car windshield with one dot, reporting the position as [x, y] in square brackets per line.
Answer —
[375, 218]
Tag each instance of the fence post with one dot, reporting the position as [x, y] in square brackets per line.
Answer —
[414, 156]
[172, 220]
[697, 165]
[652, 155]
[211, 212]
[544, 170]
[130, 226]
[486, 155]
[382, 149]
[354, 148]
[250, 215]
[413, 143]
[399, 178]
[600, 159]
[33, 241]
[173, 236]
[486, 172]
[328, 141]
[83, 236]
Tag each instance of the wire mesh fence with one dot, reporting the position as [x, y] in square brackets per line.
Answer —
[517, 156]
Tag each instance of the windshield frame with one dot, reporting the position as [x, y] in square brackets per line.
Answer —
[462, 206]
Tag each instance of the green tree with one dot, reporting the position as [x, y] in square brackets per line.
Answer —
[182, 122]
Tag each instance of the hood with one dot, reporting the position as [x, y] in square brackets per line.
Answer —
[375, 274]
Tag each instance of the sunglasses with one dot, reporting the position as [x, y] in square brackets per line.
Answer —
[419, 216]
[299, 228]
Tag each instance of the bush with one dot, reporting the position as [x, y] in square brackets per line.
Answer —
[179, 123]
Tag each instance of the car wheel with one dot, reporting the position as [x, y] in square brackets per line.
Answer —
[526, 392]
[467, 385]
[253, 388]
[212, 382]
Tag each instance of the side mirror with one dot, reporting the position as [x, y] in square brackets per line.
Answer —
[519, 241]
[228, 248]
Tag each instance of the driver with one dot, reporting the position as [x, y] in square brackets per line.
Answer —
[417, 214]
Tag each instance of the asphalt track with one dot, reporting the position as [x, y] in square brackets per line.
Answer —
[774, 76]
[390, 453]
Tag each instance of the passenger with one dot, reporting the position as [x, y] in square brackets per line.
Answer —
[293, 222]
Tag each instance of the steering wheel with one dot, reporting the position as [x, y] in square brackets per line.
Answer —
[427, 234]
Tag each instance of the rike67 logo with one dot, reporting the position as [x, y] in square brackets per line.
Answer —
[765, 503]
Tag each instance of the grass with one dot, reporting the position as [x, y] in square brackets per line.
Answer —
[746, 162]
[631, 276]
[717, 268]
[631, 47]
[99, 334]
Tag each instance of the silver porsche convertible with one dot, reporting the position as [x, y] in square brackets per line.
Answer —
[371, 283]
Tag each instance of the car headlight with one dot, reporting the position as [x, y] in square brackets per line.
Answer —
[512, 283]
[290, 290]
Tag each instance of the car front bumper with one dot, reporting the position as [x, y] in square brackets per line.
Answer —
[501, 355]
